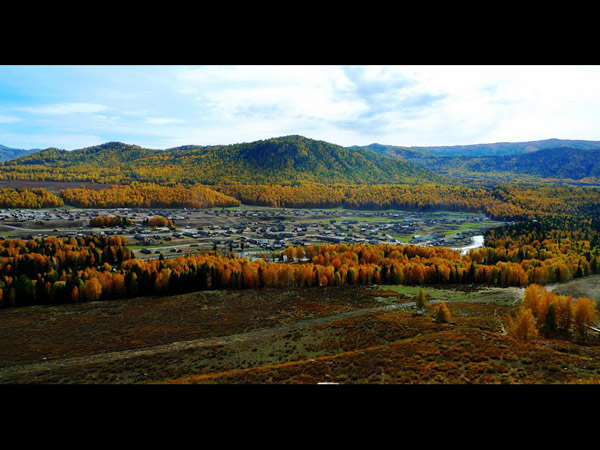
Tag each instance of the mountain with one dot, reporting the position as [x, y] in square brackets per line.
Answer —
[7, 153]
[561, 162]
[557, 163]
[288, 159]
[495, 149]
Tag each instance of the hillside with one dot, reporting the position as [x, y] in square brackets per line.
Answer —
[570, 163]
[289, 159]
[7, 153]
[474, 150]
[561, 162]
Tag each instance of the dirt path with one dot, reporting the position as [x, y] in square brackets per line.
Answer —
[10, 372]
[49, 365]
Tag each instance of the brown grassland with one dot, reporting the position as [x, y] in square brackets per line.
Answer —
[345, 334]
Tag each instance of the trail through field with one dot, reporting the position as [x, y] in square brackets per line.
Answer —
[12, 371]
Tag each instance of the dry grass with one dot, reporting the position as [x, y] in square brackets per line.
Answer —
[345, 335]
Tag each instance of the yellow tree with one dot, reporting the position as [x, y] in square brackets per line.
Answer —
[442, 314]
[544, 302]
[92, 289]
[523, 327]
[584, 315]
[531, 298]
[564, 312]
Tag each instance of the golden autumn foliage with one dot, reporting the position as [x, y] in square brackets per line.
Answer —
[147, 195]
[158, 221]
[553, 311]
[109, 221]
[442, 313]
[28, 198]
[584, 315]
[62, 264]
[504, 202]
[564, 312]
[523, 327]
[93, 289]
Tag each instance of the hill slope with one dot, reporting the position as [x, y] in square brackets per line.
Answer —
[7, 153]
[565, 162]
[286, 159]
[494, 149]
[561, 162]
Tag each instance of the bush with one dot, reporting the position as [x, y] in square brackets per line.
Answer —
[421, 300]
[442, 314]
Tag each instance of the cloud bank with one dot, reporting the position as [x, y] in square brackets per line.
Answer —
[166, 106]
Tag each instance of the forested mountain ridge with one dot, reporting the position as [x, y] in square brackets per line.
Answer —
[561, 162]
[108, 153]
[7, 153]
[288, 159]
[474, 150]
[553, 163]
[567, 163]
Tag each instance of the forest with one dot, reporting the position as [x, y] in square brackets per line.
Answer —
[552, 235]
[56, 270]
[503, 201]
[275, 161]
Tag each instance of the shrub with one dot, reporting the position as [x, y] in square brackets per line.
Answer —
[442, 314]
[421, 300]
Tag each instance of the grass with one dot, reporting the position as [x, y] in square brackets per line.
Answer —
[431, 292]
[299, 335]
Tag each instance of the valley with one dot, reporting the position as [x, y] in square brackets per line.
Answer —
[248, 230]
[299, 225]
[120, 264]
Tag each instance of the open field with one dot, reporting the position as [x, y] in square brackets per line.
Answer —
[345, 334]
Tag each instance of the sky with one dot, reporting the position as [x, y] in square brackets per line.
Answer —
[159, 107]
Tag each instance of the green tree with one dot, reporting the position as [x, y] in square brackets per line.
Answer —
[551, 317]
[421, 300]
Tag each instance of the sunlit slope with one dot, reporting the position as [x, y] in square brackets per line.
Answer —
[288, 159]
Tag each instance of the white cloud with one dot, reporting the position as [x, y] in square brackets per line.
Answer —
[399, 105]
[272, 92]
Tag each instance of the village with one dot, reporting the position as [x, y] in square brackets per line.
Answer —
[251, 231]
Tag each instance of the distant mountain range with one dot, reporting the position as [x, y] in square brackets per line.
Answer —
[495, 149]
[561, 162]
[295, 159]
[551, 158]
[7, 153]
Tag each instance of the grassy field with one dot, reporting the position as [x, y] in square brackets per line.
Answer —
[303, 335]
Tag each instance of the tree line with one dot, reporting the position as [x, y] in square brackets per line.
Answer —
[48, 270]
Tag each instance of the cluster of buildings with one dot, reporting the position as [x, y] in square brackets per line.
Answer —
[248, 229]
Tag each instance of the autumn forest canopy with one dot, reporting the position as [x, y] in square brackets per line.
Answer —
[553, 234]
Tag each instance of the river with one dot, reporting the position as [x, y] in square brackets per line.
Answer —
[476, 242]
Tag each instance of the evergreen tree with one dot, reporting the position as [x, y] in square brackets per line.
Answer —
[421, 300]
[551, 317]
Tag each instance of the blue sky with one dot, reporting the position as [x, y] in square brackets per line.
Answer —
[166, 106]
